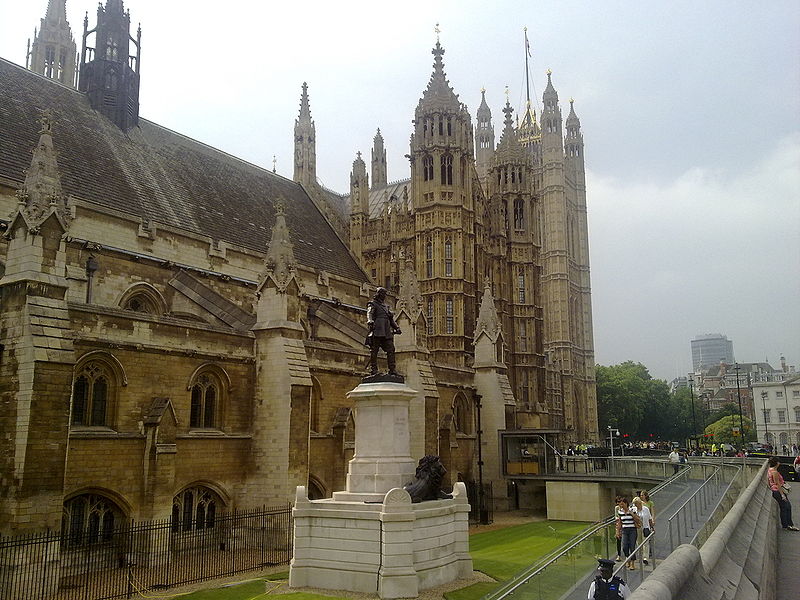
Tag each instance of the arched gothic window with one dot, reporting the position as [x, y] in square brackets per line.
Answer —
[519, 213]
[204, 412]
[112, 48]
[448, 258]
[449, 312]
[429, 260]
[462, 415]
[143, 298]
[427, 168]
[49, 60]
[91, 395]
[447, 169]
[89, 519]
[195, 508]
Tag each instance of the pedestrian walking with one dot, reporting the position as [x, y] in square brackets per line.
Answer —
[647, 525]
[627, 523]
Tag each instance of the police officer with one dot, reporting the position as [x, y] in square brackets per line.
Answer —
[607, 586]
[382, 330]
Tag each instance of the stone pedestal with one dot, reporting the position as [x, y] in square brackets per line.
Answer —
[370, 537]
[382, 458]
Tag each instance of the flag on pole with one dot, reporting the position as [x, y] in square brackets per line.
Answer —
[527, 44]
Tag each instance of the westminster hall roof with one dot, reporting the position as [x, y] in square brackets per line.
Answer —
[160, 175]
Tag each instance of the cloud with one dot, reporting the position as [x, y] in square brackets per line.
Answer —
[710, 251]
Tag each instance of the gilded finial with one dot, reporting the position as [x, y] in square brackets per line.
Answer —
[549, 72]
[572, 100]
[506, 93]
[438, 31]
[483, 90]
[274, 163]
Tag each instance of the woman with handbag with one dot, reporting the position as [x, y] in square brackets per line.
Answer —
[778, 487]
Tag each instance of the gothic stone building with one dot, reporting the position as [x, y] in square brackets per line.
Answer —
[179, 328]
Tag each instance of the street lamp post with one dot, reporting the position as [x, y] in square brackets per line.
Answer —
[611, 433]
[766, 428]
[694, 422]
[739, 395]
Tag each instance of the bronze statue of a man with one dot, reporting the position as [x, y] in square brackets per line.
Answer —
[382, 330]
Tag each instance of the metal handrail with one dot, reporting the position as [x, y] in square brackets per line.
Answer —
[702, 493]
[711, 518]
[525, 576]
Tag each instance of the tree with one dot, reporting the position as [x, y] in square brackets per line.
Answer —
[725, 410]
[722, 430]
[629, 399]
[622, 392]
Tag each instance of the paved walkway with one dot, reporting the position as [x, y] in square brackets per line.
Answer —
[665, 506]
[788, 564]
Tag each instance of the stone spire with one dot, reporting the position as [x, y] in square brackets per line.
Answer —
[488, 320]
[484, 137]
[359, 187]
[509, 146]
[42, 191]
[438, 93]
[56, 11]
[54, 50]
[305, 153]
[574, 138]
[378, 162]
[280, 263]
[551, 118]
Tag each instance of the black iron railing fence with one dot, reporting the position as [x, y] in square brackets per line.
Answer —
[141, 557]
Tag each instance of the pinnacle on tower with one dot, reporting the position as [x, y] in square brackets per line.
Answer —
[42, 188]
[484, 137]
[56, 11]
[551, 113]
[109, 74]
[54, 51]
[439, 91]
[484, 112]
[379, 178]
[305, 108]
[280, 263]
[305, 153]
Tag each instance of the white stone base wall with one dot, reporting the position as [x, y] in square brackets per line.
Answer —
[394, 548]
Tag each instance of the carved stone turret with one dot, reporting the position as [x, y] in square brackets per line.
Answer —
[109, 72]
[53, 53]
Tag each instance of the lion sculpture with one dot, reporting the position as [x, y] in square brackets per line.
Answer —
[427, 484]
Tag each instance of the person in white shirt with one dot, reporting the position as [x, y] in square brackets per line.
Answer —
[606, 584]
[675, 459]
[648, 525]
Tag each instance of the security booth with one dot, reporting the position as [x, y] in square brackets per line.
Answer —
[529, 452]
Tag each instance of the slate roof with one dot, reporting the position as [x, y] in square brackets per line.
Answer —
[159, 175]
[378, 197]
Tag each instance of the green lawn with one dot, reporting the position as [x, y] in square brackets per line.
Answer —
[501, 554]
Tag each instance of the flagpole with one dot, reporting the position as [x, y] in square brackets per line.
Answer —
[527, 82]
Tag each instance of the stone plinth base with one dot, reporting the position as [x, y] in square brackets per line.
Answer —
[394, 548]
[382, 458]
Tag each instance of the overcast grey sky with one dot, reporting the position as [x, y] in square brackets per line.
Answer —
[690, 113]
